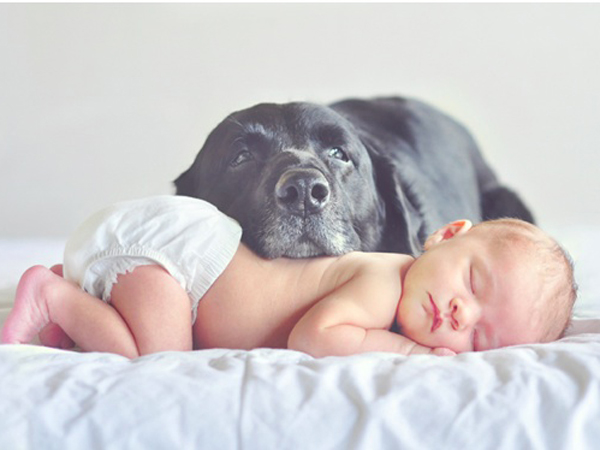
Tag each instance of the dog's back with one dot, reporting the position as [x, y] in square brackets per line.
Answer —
[432, 161]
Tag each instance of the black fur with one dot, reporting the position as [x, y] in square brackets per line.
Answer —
[373, 175]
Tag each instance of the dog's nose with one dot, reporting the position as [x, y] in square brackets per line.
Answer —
[302, 191]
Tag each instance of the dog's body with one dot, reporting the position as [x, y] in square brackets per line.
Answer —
[371, 175]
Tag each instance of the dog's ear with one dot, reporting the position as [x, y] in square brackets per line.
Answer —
[404, 228]
[187, 182]
[194, 181]
[204, 174]
[410, 218]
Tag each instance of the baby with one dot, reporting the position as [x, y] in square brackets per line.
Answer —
[142, 263]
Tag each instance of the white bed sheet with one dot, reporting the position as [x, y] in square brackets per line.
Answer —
[544, 396]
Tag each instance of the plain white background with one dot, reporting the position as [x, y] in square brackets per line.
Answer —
[100, 103]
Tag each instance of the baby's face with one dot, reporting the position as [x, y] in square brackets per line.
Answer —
[466, 295]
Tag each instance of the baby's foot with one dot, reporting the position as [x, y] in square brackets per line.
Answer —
[52, 335]
[30, 313]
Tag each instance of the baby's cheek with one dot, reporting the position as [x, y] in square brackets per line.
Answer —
[413, 324]
[415, 333]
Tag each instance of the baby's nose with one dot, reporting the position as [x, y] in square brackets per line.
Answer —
[463, 314]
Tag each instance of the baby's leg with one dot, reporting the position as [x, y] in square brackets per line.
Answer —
[44, 297]
[151, 312]
[52, 335]
[156, 309]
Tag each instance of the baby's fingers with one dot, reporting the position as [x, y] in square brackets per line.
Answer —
[441, 351]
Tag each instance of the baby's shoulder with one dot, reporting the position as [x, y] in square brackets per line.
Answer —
[379, 258]
[371, 261]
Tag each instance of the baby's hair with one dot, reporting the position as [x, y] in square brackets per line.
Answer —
[559, 289]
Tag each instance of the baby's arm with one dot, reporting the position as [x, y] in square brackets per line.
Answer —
[356, 318]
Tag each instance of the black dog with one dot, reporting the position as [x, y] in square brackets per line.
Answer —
[372, 175]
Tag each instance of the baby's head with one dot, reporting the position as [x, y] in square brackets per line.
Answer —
[552, 267]
[502, 282]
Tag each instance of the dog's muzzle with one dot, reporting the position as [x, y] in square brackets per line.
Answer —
[302, 192]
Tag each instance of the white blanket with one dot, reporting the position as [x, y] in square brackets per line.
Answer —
[543, 396]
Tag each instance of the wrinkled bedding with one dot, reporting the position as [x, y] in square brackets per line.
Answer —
[544, 396]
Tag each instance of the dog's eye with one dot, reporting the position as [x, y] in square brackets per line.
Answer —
[338, 153]
[241, 158]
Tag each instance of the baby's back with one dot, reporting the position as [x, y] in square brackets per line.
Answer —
[256, 302]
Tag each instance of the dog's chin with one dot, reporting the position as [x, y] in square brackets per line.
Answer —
[306, 248]
[302, 248]
[312, 238]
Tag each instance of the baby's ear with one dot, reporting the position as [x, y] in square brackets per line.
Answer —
[448, 231]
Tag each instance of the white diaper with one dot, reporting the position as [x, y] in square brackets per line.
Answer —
[189, 237]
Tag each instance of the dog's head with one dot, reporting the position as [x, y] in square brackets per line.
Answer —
[295, 176]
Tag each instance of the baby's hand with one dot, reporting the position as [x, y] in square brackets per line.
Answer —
[442, 351]
[417, 349]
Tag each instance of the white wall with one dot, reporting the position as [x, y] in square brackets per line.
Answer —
[100, 103]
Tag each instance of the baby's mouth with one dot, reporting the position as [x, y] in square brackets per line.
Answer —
[437, 320]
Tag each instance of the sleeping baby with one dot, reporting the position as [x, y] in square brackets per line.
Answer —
[170, 273]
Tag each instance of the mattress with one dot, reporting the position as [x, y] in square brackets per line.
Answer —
[539, 396]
